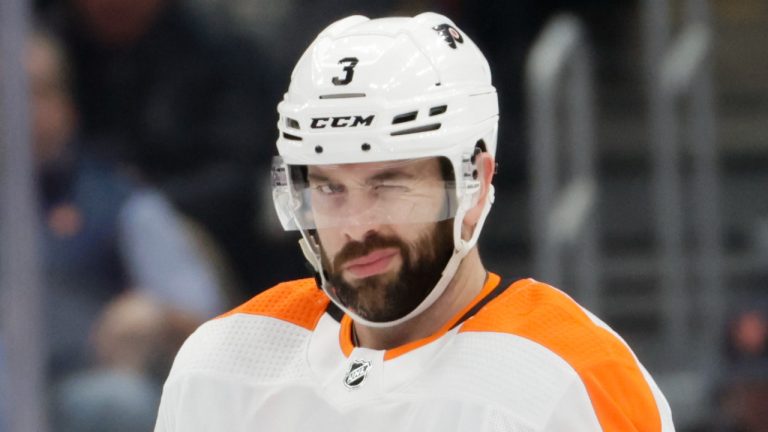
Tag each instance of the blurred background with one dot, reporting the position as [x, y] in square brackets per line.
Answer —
[136, 139]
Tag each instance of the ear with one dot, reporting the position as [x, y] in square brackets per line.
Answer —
[485, 171]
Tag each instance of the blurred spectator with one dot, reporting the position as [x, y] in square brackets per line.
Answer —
[744, 398]
[190, 107]
[138, 335]
[135, 341]
[87, 208]
[749, 337]
[169, 258]
[80, 199]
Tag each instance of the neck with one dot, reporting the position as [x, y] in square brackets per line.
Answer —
[465, 286]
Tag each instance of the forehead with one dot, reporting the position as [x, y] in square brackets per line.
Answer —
[425, 168]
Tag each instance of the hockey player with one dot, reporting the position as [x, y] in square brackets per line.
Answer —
[387, 142]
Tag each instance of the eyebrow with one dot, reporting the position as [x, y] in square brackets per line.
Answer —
[391, 174]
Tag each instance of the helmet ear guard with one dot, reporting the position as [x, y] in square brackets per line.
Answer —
[385, 90]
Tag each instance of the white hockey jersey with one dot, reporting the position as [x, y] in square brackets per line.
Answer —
[523, 357]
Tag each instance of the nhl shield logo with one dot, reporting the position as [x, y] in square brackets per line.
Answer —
[356, 374]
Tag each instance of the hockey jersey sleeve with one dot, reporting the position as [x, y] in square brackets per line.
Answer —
[611, 392]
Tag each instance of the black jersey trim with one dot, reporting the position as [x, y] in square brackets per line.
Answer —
[334, 311]
[500, 288]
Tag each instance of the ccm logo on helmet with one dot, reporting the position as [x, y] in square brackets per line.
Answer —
[341, 122]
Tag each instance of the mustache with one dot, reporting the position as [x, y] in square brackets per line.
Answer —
[357, 249]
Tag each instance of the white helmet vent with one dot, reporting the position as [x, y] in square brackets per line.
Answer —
[438, 110]
[405, 117]
[292, 137]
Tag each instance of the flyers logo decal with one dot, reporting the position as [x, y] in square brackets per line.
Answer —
[449, 34]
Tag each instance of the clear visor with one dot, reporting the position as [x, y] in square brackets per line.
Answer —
[333, 196]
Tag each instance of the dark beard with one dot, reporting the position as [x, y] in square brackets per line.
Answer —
[382, 298]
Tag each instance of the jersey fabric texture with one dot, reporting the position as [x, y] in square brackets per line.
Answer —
[521, 357]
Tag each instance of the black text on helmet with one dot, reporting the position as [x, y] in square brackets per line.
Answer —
[341, 121]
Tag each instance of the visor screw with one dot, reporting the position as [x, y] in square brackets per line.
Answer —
[318, 149]
[365, 147]
[474, 175]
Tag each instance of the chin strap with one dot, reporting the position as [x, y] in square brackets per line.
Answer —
[309, 252]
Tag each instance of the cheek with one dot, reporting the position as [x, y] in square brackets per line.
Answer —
[331, 241]
[414, 235]
[411, 233]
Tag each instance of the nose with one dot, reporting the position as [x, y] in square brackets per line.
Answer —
[361, 216]
[354, 231]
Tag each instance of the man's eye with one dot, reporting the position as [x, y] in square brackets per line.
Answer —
[330, 189]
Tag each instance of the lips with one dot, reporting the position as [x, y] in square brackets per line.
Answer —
[372, 264]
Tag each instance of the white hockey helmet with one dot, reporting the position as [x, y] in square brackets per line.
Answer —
[390, 89]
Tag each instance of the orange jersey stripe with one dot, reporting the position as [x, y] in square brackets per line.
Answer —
[620, 396]
[298, 302]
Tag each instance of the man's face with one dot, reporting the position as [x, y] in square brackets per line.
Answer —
[53, 113]
[383, 236]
